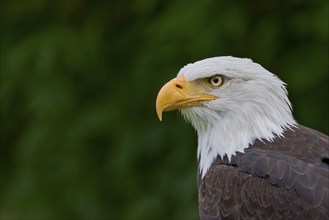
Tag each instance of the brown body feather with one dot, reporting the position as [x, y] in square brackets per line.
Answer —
[287, 178]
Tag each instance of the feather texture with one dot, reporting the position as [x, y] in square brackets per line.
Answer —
[282, 179]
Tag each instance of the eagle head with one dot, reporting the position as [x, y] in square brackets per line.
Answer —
[230, 102]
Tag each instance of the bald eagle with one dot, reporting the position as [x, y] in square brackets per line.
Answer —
[254, 160]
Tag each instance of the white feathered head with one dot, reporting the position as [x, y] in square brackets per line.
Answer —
[230, 101]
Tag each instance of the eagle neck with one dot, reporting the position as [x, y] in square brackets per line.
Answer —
[229, 135]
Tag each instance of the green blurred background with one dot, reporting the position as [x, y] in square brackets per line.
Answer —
[80, 138]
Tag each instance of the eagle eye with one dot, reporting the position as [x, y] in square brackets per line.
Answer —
[215, 81]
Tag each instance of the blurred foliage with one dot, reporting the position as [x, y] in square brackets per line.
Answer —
[79, 135]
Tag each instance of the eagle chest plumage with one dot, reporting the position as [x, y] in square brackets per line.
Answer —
[283, 179]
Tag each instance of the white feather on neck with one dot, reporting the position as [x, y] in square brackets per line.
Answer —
[254, 105]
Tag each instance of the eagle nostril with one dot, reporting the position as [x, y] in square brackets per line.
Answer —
[178, 86]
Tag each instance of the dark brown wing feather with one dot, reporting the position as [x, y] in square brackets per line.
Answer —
[284, 179]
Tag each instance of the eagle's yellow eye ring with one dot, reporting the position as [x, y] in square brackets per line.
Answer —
[215, 81]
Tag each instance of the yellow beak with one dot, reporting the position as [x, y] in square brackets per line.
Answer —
[178, 93]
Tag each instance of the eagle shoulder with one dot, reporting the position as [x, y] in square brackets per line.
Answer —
[287, 178]
[227, 192]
